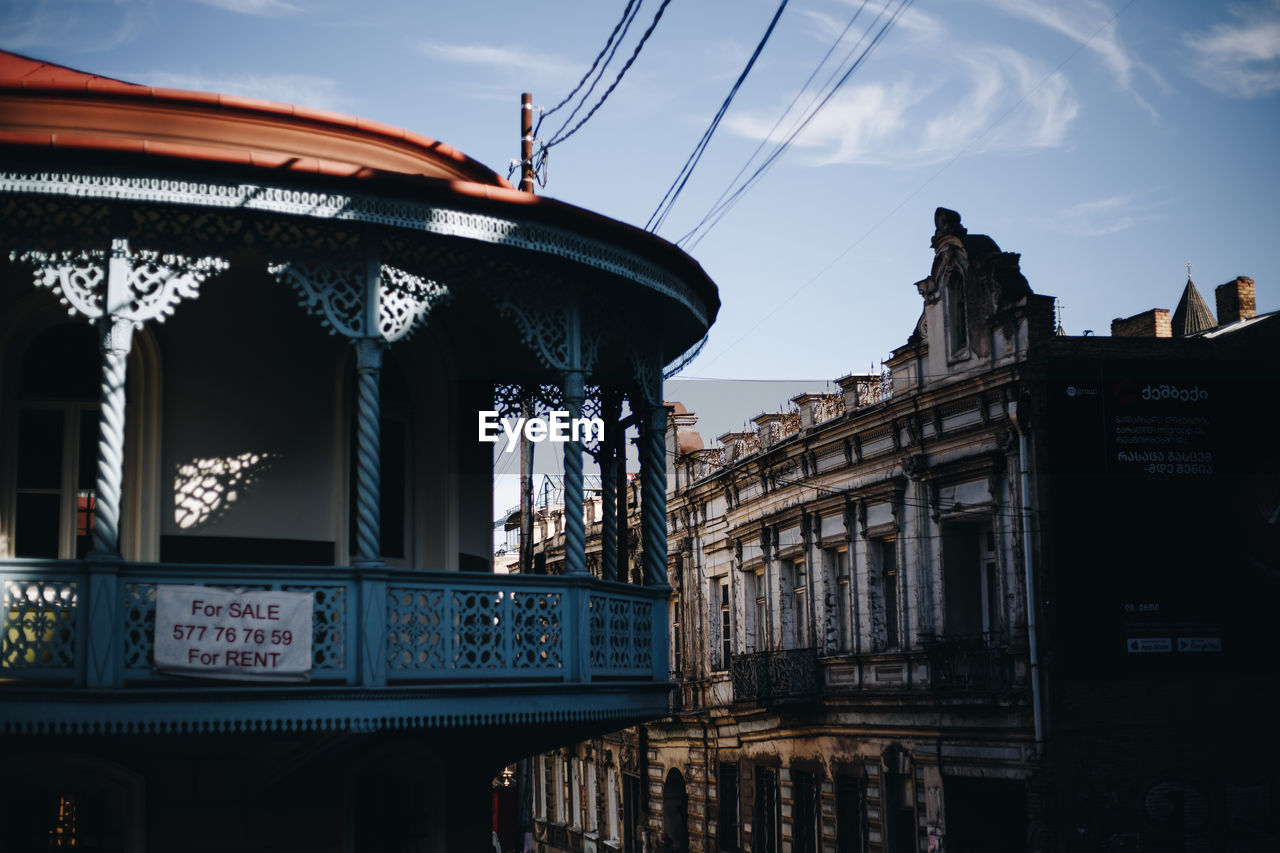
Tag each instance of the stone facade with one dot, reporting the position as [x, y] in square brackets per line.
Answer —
[858, 666]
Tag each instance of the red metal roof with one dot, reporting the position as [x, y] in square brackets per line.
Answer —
[44, 104]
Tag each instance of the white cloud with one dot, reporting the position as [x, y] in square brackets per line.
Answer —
[32, 25]
[301, 89]
[911, 21]
[982, 99]
[500, 58]
[856, 126]
[1240, 59]
[1093, 25]
[1099, 217]
[253, 7]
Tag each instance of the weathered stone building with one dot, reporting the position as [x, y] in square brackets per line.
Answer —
[924, 613]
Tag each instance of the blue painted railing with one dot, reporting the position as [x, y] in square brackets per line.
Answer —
[92, 624]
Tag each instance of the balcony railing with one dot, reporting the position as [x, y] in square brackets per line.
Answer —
[77, 624]
[777, 677]
[968, 664]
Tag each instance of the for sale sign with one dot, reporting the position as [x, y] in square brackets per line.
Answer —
[214, 633]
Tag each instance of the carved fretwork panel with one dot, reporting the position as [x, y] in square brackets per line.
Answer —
[335, 292]
[47, 223]
[645, 361]
[406, 300]
[543, 323]
[330, 290]
[183, 227]
[545, 398]
[156, 283]
[291, 235]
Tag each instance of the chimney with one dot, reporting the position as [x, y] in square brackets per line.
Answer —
[769, 428]
[1149, 324]
[1235, 300]
[734, 444]
[807, 406]
[859, 389]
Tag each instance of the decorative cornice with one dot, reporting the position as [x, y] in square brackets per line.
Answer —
[375, 210]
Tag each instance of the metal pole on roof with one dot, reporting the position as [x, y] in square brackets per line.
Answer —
[526, 766]
[526, 403]
[526, 490]
[526, 142]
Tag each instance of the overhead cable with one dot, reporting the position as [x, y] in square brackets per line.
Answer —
[673, 192]
[561, 136]
[716, 213]
[796, 291]
[795, 99]
[627, 15]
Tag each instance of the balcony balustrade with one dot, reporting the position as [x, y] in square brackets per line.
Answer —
[776, 677]
[968, 664]
[85, 632]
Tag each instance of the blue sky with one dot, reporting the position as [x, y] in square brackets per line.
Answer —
[1108, 142]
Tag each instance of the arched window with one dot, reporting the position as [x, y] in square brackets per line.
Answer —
[76, 802]
[957, 314]
[57, 435]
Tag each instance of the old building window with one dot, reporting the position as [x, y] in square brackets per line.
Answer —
[900, 814]
[611, 796]
[970, 580]
[766, 835]
[885, 554]
[762, 612]
[561, 792]
[835, 563]
[727, 826]
[675, 812]
[800, 603]
[539, 787]
[575, 787]
[851, 815]
[677, 648]
[632, 826]
[592, 817]
[957, 314]
[726, 624]
[805, 825]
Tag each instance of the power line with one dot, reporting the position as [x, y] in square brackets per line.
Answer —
[803, 88]
[718, 212]
[920, 188]
[673, 192]
[626, 26]
[562, 136]
[627, 15]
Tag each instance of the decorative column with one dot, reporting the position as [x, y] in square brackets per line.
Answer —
[575, 537]
[368, 451]
[374, 304]
[653, 501]
[612, 462]
[115, 336]
[119, 290]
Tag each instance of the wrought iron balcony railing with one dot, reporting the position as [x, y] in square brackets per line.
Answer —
[777, 677]
[968, 664]
[72, 623]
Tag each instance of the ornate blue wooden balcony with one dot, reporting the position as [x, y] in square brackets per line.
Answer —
[390, 649]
